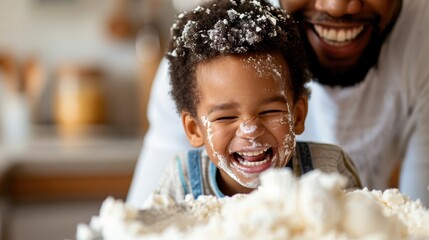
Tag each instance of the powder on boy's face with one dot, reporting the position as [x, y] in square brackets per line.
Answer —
[265, 66]
[222, 161]
[246, 128]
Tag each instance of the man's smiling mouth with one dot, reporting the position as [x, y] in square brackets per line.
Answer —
[338, 36]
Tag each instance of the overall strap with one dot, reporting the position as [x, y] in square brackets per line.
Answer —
[195, 172]
[305, 157]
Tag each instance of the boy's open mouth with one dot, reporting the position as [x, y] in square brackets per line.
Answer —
[254, 161]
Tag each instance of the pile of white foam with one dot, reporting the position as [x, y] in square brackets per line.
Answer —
[284, 207]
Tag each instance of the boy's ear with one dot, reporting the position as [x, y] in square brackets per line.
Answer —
[300, 113]
[192, 129]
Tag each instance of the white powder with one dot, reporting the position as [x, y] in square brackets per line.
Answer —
[284, 207]
[265, 66]
[253, 180]
[234, 34]
[247, 128]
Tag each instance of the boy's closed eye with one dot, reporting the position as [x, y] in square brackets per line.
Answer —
[273, 112]
[225, 118]
[267, 113]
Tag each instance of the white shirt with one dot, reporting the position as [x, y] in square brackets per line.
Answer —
[380, 122]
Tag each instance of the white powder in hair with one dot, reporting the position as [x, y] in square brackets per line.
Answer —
[232, 14]
[232, 35]
[198, 9]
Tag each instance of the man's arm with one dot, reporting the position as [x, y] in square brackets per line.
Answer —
[414, 176]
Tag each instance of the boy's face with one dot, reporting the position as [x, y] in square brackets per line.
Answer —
[246, 117]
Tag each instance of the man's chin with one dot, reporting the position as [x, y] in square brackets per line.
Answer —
[339, 69]
[338, 78]
[342, 74]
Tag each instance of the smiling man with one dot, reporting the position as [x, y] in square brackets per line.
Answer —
[370, 94]
[344, 38]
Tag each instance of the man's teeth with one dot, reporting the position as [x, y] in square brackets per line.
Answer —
[338, 35]
[254, 164]
[253, 153]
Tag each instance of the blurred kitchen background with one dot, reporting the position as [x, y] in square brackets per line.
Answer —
[75, 77]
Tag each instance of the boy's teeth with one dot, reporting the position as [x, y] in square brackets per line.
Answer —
[254, 164]
[253, 153]
[339, 35]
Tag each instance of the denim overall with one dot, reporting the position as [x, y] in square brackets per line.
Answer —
[196, 177]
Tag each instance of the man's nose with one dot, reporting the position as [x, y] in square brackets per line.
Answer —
[250, 129]
[338, 8]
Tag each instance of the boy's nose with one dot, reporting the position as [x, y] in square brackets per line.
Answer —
[250, 129]
[338, 8]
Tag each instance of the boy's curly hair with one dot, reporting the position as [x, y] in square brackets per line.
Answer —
[231, 27]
